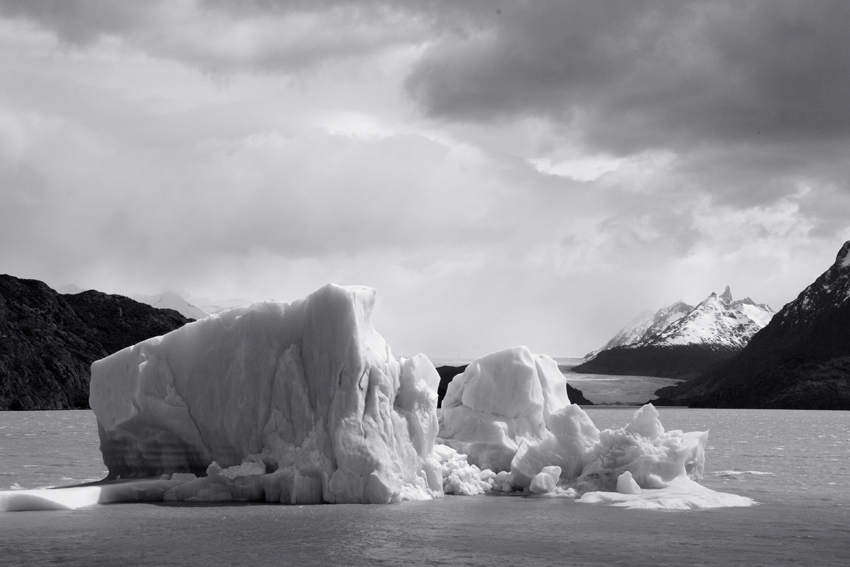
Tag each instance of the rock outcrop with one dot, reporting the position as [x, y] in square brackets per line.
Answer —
[801, 359]
[48, 340]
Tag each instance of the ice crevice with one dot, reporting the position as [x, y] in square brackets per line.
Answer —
[304, 403]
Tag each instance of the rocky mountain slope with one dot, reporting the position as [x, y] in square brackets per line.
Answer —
[49, 340]
[680, 341]
[801, 359]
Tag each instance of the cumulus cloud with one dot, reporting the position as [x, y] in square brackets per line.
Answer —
[501, 173]
[224, 38]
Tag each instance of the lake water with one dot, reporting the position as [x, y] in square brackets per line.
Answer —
[796, 464]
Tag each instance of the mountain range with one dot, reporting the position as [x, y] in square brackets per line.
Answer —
[48, 340]
[171, 300]
[800, 359]
[680, 340]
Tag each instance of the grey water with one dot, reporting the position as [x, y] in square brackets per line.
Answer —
[796, 464]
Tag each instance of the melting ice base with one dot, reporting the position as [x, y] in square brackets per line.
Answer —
[305, 403]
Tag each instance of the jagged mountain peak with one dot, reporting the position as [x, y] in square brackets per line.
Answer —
[717, 320]
[829, 291]
[815, 307]
[680, 340]
[843, 258]
[801, 359]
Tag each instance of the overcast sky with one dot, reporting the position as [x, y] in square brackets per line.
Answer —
[502, 173]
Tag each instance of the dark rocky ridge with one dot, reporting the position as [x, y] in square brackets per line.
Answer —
[801, 359]
[49, 340]
[447, 373]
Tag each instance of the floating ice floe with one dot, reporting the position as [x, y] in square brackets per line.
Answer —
[304, 403]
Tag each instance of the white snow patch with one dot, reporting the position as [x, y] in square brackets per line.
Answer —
[757, 314]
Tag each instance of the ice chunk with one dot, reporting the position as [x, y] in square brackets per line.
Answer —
[298, 402]
[681, 494]
[626, 484]
[500, 401]
[46, 499]
[546, 480]
[461, 477]
[592, 460]
[509, 411]
[567, 444]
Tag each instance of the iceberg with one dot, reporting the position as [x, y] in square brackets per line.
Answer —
[509, 411]
[500, 401]
[304, 403]
[298, 402]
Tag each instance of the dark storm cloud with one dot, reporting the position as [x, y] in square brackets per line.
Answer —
[628, 75]
[632, 75]
[84, 21]
[223, 36]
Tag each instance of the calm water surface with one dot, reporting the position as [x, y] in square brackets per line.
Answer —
[795, 463]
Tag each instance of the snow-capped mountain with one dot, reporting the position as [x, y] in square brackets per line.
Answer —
[801, 359]
[681, 340]
[213, 306]
[170, 300]
[645, 325]
[717, 320]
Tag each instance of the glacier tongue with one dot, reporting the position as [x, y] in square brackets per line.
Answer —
[308, 391]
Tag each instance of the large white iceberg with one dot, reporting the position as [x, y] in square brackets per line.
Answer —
[301, 402]
[304, 402]
[500, 401]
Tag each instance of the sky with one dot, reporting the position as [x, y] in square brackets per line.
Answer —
[502, 173]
